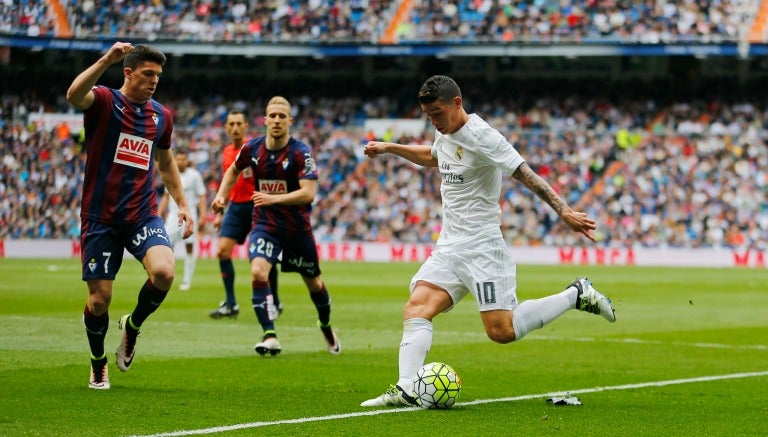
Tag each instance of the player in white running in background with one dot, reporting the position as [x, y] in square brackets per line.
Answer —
[194, 191]
[471, 255]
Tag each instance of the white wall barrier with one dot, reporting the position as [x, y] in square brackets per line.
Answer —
[403, 252]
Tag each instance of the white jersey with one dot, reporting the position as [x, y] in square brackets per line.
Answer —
[472, 161]
[193, 187]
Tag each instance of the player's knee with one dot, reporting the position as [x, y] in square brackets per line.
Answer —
[224, 248]
[98, 304]
[99, 297]
[501, 334]
[259, 274]
[314, 285]
[162, 274]
[223, 253]
[419, 309]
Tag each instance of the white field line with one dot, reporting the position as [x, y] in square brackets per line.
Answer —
[441, 334]
[654, 342]
[226, 428]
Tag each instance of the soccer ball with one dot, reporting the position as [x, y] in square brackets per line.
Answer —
[437, 386]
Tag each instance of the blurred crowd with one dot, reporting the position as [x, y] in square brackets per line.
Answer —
[648, 21]
[686, 174]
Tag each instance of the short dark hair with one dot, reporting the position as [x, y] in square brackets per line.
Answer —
[143, 53]
[439, 87]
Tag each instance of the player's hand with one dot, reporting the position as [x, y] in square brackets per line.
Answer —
[218, 204]
[374, 149]
[117, 52]
[579, 222]
[185, 217]
[217, 219]
[262, 199]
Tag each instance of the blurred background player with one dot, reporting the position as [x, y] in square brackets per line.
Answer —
[285, 178]
[194, 192]
[234, 224]
[127, 135]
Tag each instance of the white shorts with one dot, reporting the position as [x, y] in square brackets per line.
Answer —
[486, 270]
[175, 232]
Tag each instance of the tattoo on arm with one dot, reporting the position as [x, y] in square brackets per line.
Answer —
[540, 187]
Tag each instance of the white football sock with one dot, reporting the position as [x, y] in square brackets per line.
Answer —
[189, 267]
[535, 313]
[417, 339]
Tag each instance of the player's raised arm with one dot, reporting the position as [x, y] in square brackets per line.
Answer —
[79, 93]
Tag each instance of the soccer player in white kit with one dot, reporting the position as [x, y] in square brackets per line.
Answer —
[471, 255]
[194, 191]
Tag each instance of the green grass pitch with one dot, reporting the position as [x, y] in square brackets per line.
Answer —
[688, 355]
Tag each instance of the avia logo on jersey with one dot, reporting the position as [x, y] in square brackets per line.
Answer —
[133, 151]
[273, 186]
[140, 237]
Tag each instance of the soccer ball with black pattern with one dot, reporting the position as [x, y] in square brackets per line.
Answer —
[437, 386]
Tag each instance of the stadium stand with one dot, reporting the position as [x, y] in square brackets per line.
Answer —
[233, 21]
[386, 21]
[685, 175]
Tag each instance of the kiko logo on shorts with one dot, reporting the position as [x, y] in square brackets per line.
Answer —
[273, 186]
[133, 151]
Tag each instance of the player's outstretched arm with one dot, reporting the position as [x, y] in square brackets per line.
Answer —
[417, 153]
[227, 182]
[79, 93]
[577, 221]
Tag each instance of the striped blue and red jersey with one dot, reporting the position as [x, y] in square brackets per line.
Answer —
[278, 172]
[120, 137]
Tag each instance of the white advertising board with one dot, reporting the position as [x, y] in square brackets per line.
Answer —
[403, 252]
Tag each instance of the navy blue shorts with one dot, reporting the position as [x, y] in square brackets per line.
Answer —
[299, 251]
[103, 244]
[237, 221]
